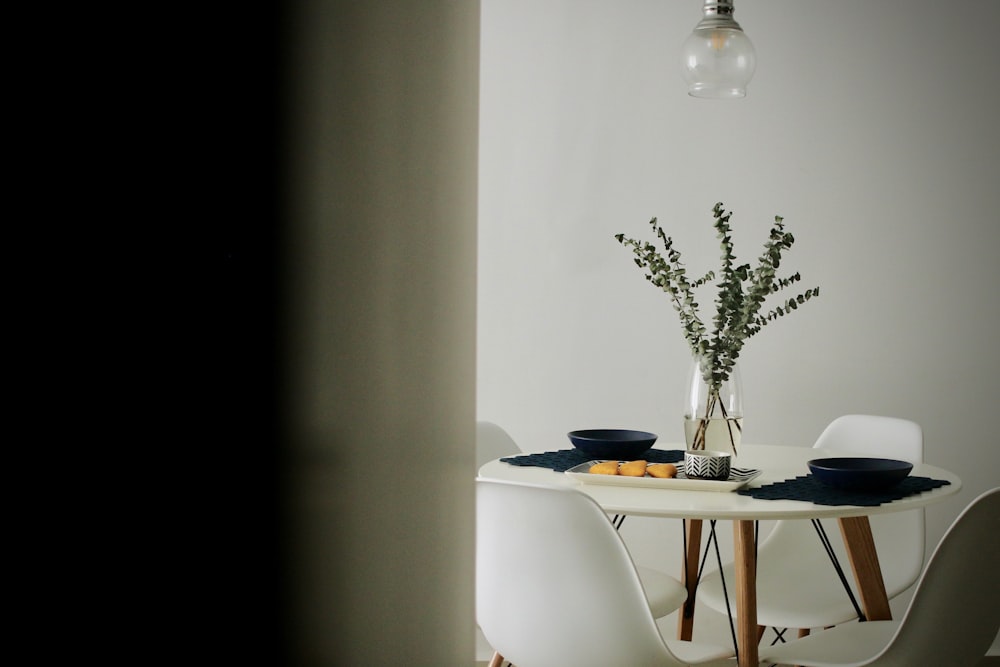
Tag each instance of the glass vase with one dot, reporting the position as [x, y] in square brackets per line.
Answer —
[713, 415]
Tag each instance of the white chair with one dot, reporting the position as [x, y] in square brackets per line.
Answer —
[556, 586]
[797, 584]
[951, 620]
[493, 442]
[664, 593]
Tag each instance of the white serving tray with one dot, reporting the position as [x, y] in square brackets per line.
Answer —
[738, 478]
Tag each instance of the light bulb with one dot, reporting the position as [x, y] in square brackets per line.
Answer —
[718, 39]
[718, 59]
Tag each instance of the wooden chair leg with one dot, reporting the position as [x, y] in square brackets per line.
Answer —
[497, 660]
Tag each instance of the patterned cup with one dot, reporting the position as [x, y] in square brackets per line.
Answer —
[704, 464]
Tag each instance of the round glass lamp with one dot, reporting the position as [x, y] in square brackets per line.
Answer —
[718, 59]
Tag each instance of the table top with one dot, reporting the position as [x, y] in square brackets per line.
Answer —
[777, 463]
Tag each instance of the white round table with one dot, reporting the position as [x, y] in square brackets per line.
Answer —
[776, 463]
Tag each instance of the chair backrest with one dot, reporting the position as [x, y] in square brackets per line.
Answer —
[873, 435]
[900, 538]
[954, 614]
[492, 442]
[555, 584]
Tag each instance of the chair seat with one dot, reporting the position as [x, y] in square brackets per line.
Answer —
[797, 586]
[704, 655]
[848, 645]
[664, 593]
[785, 599]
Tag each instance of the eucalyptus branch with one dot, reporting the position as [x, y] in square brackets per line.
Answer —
[742, 292]
[670, 276]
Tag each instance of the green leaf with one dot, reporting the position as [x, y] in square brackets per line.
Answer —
[741, 290]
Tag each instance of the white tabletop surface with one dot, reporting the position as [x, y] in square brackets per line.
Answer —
[776, 463]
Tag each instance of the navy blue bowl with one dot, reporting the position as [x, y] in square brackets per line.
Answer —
[612, 443]
[860, 474]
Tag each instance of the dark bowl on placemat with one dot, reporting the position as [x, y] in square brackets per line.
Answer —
[612, 443]
[860, 474]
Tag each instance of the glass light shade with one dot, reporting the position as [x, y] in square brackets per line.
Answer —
[718, 62]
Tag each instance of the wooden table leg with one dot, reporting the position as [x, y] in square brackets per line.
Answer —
[746, 592]
[857, 534]
[685, 619]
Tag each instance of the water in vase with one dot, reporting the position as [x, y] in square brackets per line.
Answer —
[721, 435]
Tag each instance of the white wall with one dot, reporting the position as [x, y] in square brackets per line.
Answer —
[869, 126]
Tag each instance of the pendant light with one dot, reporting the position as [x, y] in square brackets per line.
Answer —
[718, 59]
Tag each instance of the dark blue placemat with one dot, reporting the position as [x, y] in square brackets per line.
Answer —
[810, 489]
[564, 459]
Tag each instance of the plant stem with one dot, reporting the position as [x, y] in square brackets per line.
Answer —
[700, 440]
[701, 434]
